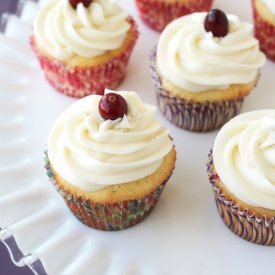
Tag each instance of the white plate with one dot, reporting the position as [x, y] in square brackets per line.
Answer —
[183, 235]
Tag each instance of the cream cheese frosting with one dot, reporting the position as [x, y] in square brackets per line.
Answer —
[270, 5]
[195, 60]
[244, 157]
[92, 153]
[64, 32]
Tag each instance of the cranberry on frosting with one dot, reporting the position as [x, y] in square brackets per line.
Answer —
[86, 3]
[86, 31]
[112, 106]
[195, 60]
[217, 23]
[93, 153]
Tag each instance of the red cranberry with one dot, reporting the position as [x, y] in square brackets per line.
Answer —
[217, 23]
[86, 3]
[112, 106]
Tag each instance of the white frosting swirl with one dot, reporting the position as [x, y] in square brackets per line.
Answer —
[270, 5]
[244, 157]
[194, 60]
[64, 32]
[92, 153]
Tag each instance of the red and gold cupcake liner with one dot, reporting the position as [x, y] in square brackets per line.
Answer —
[265, 33]
[82, 81]
[158, 13]
[107, 216]
[191, 115]
[242, 222]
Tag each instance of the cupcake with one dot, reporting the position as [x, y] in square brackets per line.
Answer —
[83, 46]
[264, 22]
[110, 159]
[158, 13]
[203, 67]
[241, 171]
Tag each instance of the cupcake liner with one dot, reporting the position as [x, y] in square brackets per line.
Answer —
[107, 216]
[265, 33]
[191, 115]
[249, 226]
[157, 14]
[82, 81]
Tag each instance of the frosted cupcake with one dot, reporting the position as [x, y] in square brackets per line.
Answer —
[110, 159]
[241, 171]
[158, 13]
[83, 46]
[264, 22]
[203, 67]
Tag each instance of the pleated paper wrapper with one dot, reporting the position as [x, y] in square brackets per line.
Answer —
[79, 82]
[107, 216]
[158, 13]
[246, 224]
[191, 115]
[265, 33]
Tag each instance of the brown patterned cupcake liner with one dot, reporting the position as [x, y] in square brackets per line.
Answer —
[82, 81]
[107, 216]
[265, 33]
[247, 225]
[158, 13]
[191, 115]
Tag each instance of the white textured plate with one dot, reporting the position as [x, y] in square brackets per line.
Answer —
[183, 235]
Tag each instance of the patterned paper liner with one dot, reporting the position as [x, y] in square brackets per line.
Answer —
[265, 33]
[259, 230]
[82, 81]
[158, 13]
[191, 115]
[107, 216]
